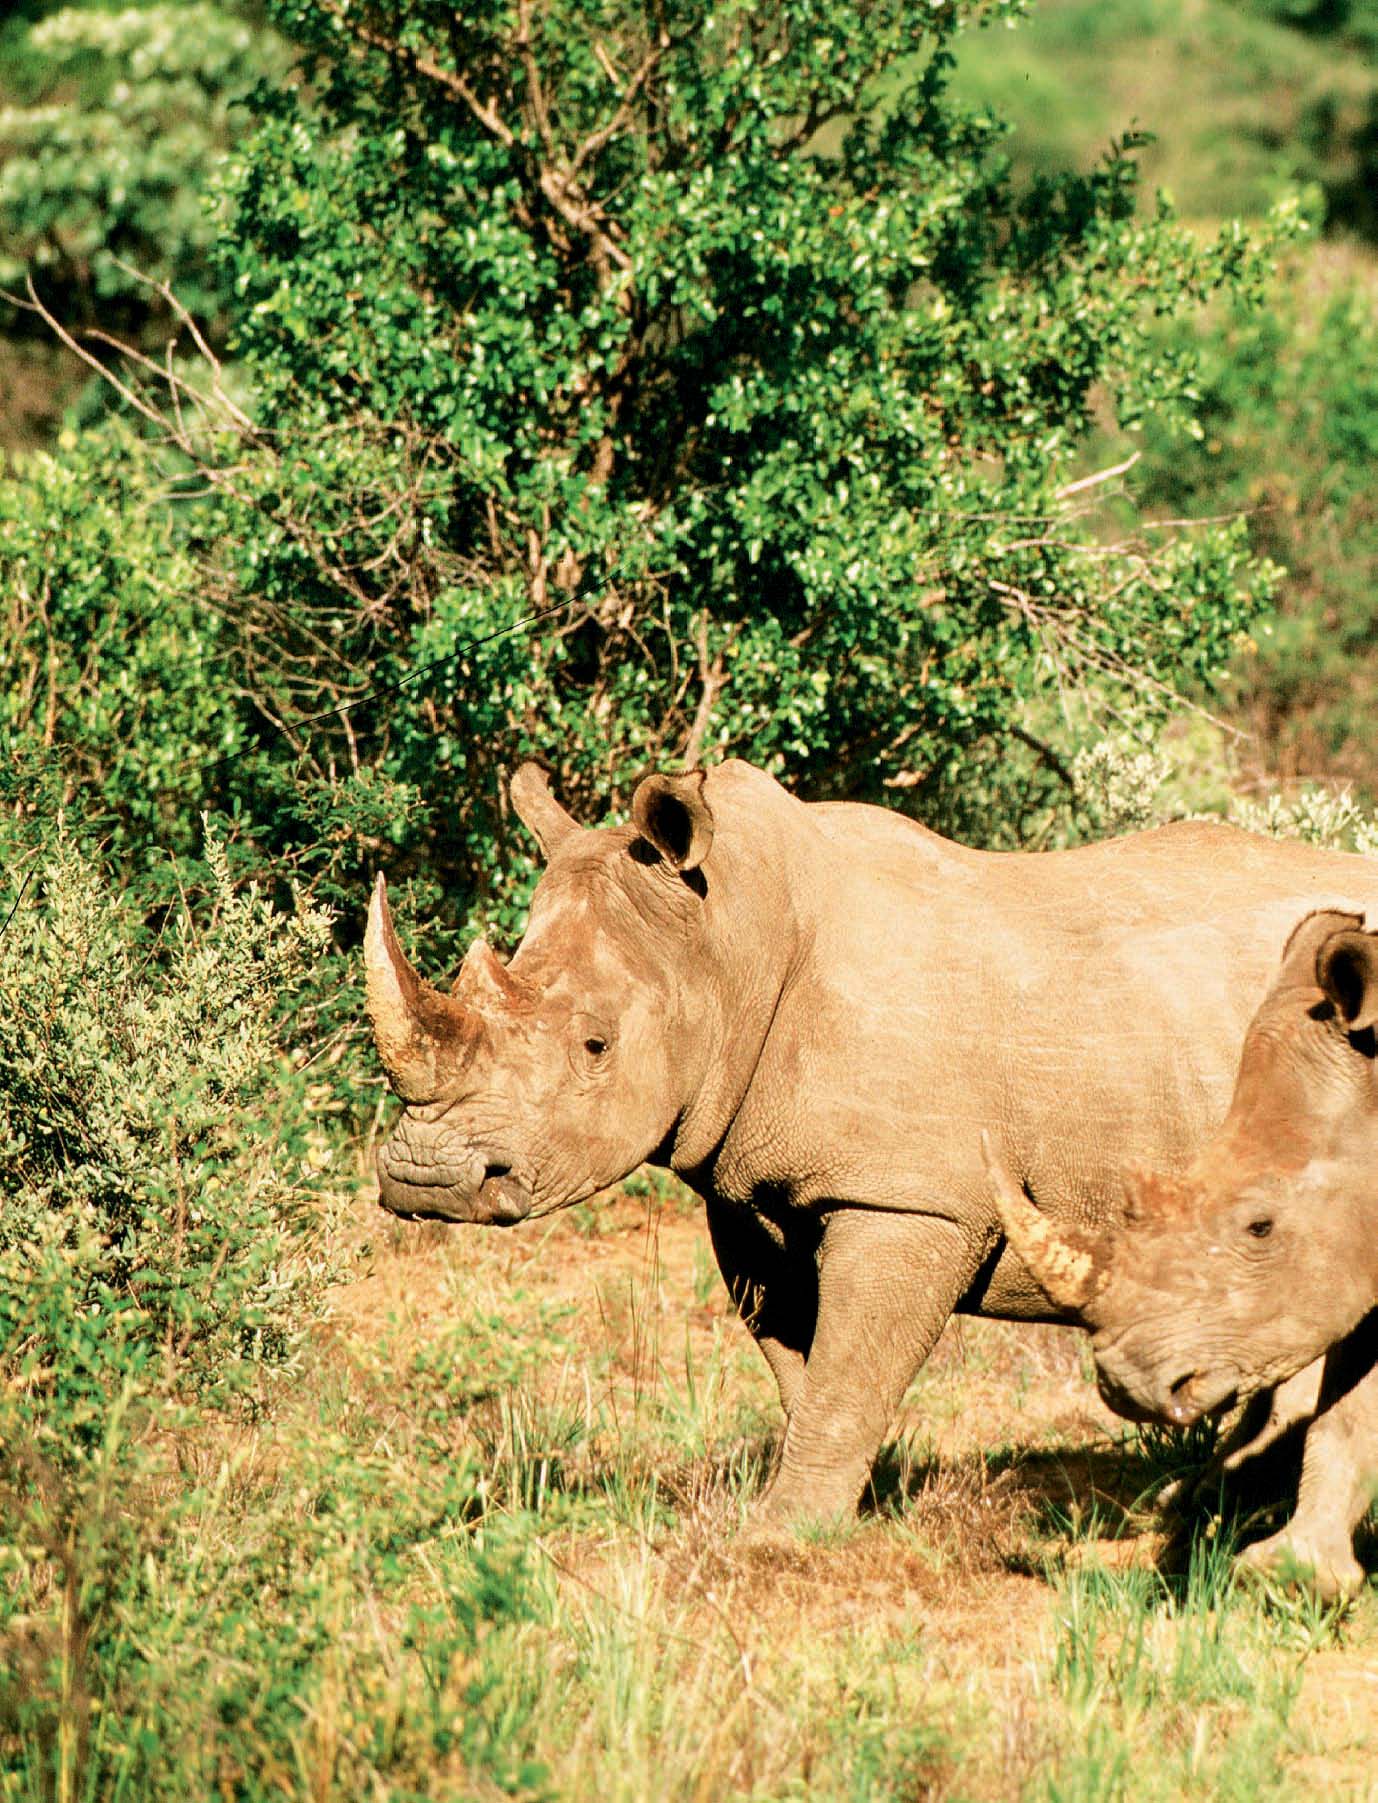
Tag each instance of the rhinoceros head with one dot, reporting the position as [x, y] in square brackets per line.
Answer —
[535, 1083]
[1264, 1252]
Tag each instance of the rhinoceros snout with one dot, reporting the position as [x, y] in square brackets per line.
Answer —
[1120, 1396]
[455, 1185]
[1196, 1394]
[504, 1198]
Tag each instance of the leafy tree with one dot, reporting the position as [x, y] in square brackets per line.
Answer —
[725, 334]
[115, 671]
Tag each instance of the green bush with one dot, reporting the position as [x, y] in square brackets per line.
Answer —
[153, 1201]
[156, 1194]
[153, 1142]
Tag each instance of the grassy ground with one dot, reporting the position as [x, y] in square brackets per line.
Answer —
[994, 1626]
[490, 1541]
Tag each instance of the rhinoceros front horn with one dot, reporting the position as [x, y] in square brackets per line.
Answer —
[414, 1025]
[1065, 1260]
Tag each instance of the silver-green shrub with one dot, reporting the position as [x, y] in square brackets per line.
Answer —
[153, 1142]
[1121, 785]
[155, 1194]
[1117, 785]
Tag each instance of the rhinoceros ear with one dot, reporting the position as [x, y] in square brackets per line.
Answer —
[1347, 970]
[672, 813]
[537, 809]
[1305, 941]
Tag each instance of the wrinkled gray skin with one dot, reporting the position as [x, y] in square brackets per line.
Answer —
[810, 1012]
[1255, 1271]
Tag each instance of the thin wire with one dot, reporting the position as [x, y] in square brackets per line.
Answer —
[18, 898]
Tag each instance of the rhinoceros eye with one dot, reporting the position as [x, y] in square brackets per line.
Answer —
[1261, 1228]
[595, 1047]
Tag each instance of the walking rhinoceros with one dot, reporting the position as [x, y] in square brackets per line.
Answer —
[1234, 1278]
[809, 1011]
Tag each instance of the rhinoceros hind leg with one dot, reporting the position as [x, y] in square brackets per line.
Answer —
[887, 1284]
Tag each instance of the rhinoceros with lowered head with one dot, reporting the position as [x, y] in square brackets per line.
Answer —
[1236, 1277]
[809, 1011]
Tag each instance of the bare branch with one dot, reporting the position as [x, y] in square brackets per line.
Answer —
[1046, 752]
[535, 88]
[622, 117]
[429, 70]
[1060, 624]
[184, 317]
[713, 678]
[1098, 477]
[89, 358]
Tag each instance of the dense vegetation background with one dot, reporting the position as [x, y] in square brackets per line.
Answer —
[965, 412]
[786, 437]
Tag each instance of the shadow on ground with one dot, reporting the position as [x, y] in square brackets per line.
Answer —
[1032, 1509]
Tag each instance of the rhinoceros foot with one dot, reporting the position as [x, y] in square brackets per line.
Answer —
[767, 1537]
[1296, 1561]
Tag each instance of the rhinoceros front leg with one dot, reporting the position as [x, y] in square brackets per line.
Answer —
[886, 1285]
[773, 1282]
[1339, 1477]
[1284, 1410]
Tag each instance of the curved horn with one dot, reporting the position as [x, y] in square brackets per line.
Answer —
[413, 1024]
[537, 809]
[1064, 1260]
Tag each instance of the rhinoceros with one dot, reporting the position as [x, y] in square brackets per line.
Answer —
[1253, 1273]
[809, 1011]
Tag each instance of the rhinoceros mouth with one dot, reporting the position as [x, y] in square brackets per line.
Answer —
[1184, 1404]
[504, 1198]
[1197, 1395]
